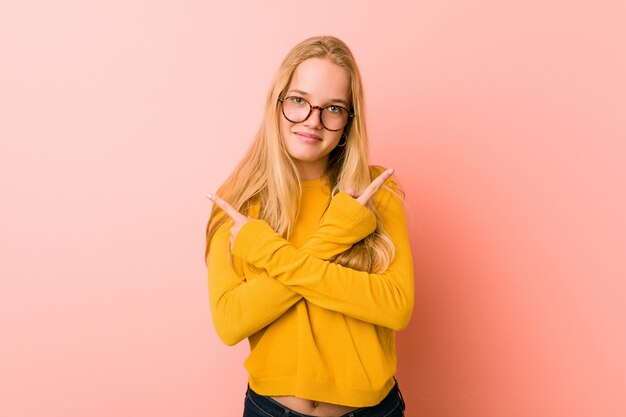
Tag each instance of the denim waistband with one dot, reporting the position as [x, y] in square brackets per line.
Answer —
[271, 407]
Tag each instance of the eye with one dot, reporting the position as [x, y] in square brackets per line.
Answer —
[334, 109]
[297, 100]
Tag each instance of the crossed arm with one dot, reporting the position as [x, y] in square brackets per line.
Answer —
[241, 308]
[384, 299]
[284, 274]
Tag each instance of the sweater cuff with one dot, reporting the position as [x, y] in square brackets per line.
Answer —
[247, 235]
[345, 210]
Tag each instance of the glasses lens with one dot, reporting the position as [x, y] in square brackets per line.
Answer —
[334, 117]
[296, 109]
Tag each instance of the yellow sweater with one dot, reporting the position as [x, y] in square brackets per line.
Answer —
[317, 330]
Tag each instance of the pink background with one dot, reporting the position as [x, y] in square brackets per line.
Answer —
[503, 119]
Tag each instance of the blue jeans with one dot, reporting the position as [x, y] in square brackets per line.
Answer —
[257, 405]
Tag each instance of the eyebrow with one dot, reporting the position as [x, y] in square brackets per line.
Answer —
[336, 100]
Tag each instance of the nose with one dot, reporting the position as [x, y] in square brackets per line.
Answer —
[314, 120]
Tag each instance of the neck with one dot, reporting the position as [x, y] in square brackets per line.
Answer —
[311, 171]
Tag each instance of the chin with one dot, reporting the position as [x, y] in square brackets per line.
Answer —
[305, 157]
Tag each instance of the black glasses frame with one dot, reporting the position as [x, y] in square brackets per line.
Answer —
[311, 108]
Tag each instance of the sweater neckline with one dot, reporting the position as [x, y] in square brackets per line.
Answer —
[314, 183]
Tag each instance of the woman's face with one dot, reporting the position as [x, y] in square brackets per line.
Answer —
[321, 83]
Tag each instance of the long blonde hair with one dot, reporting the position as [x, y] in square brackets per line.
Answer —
[268, 176]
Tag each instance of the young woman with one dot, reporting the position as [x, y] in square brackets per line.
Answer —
[307, 249]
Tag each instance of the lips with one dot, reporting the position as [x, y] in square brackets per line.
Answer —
[308, 135]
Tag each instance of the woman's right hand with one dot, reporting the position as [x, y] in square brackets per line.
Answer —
[238, 219]
[364, 196]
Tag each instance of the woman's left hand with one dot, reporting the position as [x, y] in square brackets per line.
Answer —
[364, 196]
[238, 219]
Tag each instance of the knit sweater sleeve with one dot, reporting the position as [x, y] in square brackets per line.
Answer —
[345, 222]
[241, 307]
[384, 299]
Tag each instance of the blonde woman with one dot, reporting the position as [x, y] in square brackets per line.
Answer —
[307, 249]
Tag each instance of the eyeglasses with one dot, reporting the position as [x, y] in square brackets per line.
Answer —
[297, 109]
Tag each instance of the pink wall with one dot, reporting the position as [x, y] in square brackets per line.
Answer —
[503, 119]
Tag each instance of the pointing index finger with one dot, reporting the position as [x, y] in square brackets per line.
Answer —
[378, 182]
[381, 179]
[228, 209]
[374, 186]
